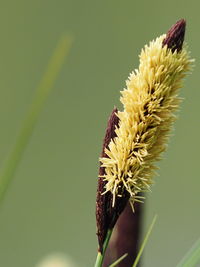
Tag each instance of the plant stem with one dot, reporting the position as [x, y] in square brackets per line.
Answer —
[145, 241]
[100, 256]
[42, 92]
[192, 258]
[118, 260]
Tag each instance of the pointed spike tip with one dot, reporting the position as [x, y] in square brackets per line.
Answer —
[175, 36]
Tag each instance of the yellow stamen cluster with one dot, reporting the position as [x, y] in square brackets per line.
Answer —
[149, 102]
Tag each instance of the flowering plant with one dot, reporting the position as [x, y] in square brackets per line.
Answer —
[136, 136]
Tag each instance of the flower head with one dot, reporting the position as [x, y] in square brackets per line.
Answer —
[149, 101]
[142, 129]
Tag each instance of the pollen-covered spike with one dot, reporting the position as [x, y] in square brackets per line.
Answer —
[131, 149]
[149, 101]
[103, 200]
[175, 36]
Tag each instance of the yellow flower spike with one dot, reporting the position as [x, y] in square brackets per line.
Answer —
[136, 136]
[149, 100]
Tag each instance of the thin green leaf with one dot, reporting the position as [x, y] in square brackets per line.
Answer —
[192, 257]
[145, 241]
[42, 92]
[118, 260]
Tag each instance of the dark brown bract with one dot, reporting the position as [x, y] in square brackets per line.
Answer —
[175, 36]
[103, 201]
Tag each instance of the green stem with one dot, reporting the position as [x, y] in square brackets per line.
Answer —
[119, 260]
[144, 242]
[100, 256]
[42, 92]
[192, 258]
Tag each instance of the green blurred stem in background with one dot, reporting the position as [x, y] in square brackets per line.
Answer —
[146, 238]
[192, 258]
[119, 260]
[42, 91]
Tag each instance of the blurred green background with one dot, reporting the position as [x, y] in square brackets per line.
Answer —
[50, 205]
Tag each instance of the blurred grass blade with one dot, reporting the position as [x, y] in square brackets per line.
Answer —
[145, 241]
[118, 260]
[192, 257]
[42, 92]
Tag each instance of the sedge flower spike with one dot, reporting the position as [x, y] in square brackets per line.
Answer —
[106, 215]
[149, 100]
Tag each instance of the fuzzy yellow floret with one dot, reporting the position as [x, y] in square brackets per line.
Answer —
[149, 102]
